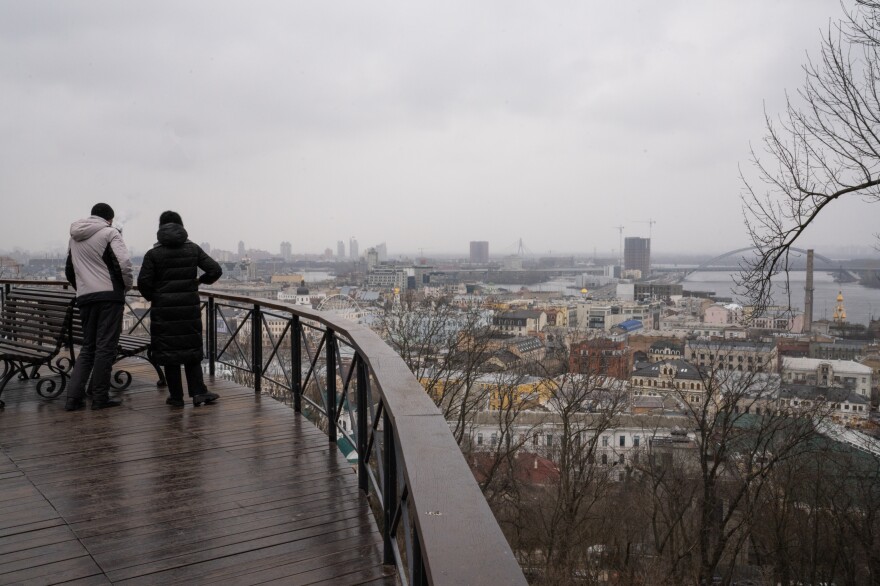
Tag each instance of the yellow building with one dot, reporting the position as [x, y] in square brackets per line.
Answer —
[294, 279]
[492, 391]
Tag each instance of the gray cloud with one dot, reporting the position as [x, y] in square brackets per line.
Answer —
[422, 126]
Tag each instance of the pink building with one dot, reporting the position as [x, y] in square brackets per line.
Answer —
[721, 314]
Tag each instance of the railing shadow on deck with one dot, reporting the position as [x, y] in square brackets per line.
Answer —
[437, 527]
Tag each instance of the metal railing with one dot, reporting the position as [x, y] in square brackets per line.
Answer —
[437, 528]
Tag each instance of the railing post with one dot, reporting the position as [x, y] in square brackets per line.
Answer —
[331, 385]
[296, 362]
[362, 407]
[257, 348]
[389, 488]
[419, 572]
[212, 335]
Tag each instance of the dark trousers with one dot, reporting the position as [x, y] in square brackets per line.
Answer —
[102, 325]
[195, 382]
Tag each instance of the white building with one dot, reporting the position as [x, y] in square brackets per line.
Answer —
[846, 374]
[628, 439]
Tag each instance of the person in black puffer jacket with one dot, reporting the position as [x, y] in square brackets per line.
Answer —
[169, 280]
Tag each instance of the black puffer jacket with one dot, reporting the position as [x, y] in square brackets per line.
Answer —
[169, 279]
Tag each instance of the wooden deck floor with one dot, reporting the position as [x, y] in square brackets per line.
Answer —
[240, 492]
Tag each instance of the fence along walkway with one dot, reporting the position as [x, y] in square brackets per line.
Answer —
[241, 492]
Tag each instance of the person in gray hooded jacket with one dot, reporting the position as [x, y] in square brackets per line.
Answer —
[99, 268]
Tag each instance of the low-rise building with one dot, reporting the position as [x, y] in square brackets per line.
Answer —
[845, 374]
[520, 322]
[664, 350]
[600, 356]
[742, 355]
[675, 377]
[604, 315]
[387, 278]
[845, 405]
[838, 349]
[619, 447]
[683, 326]
[723, 313]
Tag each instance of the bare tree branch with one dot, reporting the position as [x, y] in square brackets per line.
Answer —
[824, 147]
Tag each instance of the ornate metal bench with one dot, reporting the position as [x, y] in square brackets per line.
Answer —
[32, 327]
[36, 324]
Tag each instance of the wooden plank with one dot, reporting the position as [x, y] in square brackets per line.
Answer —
[213, 570]
[38, 537]
[242, 490]
[308, 536]
[69, 570]
[303, 571]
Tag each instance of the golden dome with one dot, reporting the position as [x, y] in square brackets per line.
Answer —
[840, 310]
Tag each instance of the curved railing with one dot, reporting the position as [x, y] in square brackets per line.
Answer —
[436, 525]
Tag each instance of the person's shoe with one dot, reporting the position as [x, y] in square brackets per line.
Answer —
[206, 398]
[74, 403]
[105, 403]
[174, 402]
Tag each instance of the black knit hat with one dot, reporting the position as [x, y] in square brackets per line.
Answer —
[102, 210]
[170, 217]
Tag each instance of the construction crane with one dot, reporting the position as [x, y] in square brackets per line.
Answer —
[650, 222]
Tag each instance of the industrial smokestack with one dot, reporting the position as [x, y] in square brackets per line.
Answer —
[808, 294]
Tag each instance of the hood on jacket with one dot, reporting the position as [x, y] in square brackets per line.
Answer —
[87, 227]
[173, 235]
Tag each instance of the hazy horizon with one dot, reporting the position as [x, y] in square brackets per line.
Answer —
[424, 127]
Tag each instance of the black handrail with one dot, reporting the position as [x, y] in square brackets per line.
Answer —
[437, 527]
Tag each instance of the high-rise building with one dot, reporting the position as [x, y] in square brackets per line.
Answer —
[372, 259]
[382, 251]
[340, 249]
[286, 251]
[479, 252]
[206, 246]
[241, 249]
[637, 255]
[353, 252]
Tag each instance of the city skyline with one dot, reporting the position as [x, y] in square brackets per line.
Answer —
[425, 127]
[460, 252]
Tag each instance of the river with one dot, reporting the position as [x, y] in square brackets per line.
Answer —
[861, 303]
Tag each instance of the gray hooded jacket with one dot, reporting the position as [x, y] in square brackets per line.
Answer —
[98, 262]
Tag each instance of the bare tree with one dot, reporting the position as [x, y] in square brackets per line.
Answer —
[704, 502]
[824, 147]
[820, 522]
[445, 346]
[567, 517]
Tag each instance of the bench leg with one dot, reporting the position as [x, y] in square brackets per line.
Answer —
[8, 373]
[47, 387]
[10, 368]
[120, 380]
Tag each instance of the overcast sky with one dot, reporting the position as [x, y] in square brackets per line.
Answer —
[425, 125]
